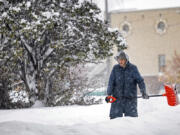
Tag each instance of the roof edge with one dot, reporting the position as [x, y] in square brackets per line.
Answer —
[139, 10]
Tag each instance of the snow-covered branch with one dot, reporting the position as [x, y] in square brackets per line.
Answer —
[29, 50]
[47, 53]
[51, 73]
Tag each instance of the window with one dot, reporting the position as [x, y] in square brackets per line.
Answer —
[126, 28]
[161, 26]
[162, 63]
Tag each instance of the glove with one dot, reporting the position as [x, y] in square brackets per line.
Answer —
[110, 99]
[107, 99]
[145, 95]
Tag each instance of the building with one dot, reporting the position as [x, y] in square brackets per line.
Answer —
[152, 36]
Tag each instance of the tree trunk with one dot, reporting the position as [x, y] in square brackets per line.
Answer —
[29, 77]
[46, 93]
[48, 84]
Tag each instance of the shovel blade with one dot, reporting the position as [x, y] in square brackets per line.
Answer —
[172, 95]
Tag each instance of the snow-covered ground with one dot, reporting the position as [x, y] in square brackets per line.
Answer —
[155, 118]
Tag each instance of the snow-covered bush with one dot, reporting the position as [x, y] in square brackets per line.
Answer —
[19, 99]
[11, 98]
[88, 100]
[72, 88]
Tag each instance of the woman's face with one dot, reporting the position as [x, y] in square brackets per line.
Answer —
[122, 62]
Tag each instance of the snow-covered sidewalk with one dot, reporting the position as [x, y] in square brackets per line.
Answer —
[155, 118]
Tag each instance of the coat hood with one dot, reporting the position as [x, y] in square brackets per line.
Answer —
[121, 55]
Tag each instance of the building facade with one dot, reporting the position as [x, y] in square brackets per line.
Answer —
[152, 37]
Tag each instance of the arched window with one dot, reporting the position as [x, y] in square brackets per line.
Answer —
[125, 28]
[161, 26]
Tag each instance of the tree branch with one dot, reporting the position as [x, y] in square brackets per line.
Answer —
[29, 50]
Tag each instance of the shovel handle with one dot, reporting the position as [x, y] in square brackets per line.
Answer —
[152, 96]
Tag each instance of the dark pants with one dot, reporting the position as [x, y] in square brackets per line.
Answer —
[124, 115]
[124, 107]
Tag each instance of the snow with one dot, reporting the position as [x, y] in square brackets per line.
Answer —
[28, 4]
[4, 14]
[127, 5]
[17, 9]
[146, 4]
[16, 96]
[155, 118]
[136, 4]
[23, 21]
[38, 104]
[49, 14]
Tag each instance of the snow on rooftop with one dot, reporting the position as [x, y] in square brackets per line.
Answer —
[137, 4]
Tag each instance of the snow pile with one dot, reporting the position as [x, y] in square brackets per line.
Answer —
[18, 99]
[155, 118]
[38, 104]
[16, 96]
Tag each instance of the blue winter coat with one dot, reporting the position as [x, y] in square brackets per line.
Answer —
[123, 85]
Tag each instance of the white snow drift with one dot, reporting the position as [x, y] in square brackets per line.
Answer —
[155, 118]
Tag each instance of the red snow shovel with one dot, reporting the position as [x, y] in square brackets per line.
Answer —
[170, 93]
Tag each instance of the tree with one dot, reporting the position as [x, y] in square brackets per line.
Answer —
[41, 37]
[4, 87]
[172, 71]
